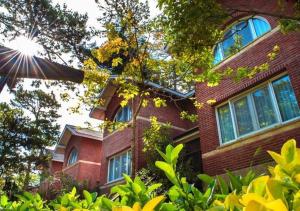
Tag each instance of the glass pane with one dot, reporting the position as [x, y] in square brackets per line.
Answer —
[228, 43]
[225, 122]
[124, 164]
[217, 55]
[286, 98]
[124, 114]
[111, 169]
[129, 163]
[244, 33]
[264, 108]
[117, 170]
[243, 116]
[261, 26]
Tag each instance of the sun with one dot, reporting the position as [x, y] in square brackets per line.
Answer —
[25, 46]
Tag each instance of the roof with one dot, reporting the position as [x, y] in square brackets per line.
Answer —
[108, 91]
[15, 65]
[71, 130]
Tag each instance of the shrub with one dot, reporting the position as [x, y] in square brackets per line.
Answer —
[278, 191]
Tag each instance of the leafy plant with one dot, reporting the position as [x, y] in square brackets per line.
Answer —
[279, 191]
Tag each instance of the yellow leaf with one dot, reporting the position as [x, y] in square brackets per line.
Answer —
[122, 208]
[153, 203]
[247, 198]
[137, 206]
[297, 178]
[276, 205]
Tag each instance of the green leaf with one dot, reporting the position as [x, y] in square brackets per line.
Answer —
[175, 153]
[152, 188]
[88, 197]
[4, 201]
[73, 192]
[223, 185]
[205, 178]
[173, 193]
[169, 171]
[288, 150]
[234, 182]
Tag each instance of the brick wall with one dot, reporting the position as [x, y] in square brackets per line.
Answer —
[239, 155]
[56, 166]
[87, 167]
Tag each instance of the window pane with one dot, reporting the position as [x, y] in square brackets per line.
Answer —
[243, 116]
[264, 107]
[260, 26]
[217, 55]
[286, 98]
[111, 169]
[244, 32]
[124, 164]
[117, 170]
[129, 163]
[225, 122]
[228, 43]
[123, 115]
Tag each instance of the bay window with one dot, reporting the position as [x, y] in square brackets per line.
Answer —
[119, 165]
[270, 104]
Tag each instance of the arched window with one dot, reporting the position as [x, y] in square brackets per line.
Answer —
[124, 114]
[73, 157]
[239, 35]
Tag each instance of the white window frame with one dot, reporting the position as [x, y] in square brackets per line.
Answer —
[248, 94]
[127, 160]
[233, 26]
[120, 109]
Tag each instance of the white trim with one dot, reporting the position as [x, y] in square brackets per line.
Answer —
[129, 165]
[188, 137]
[81, 161]
[250, 101]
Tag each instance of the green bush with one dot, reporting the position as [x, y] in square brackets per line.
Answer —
[278, 191]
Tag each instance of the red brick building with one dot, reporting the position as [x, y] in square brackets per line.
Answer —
[259, 112]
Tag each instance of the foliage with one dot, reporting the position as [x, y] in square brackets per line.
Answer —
[277, 192]
[56, 28]
[27, 126]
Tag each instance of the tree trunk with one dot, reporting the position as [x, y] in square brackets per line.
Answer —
[27, 176]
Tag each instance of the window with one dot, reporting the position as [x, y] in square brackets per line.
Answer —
[124, 114]
[73, 157]
[270, 104]
[119, 165]
[240, 35]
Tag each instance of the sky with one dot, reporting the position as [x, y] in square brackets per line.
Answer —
[81, 6]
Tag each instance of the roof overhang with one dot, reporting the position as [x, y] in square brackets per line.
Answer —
[187, 136]
[109, 90]
[71, 130]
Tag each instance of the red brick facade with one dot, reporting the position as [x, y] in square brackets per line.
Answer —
[239, 154]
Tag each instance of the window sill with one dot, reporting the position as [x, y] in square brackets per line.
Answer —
[259, 132]
[113, 182]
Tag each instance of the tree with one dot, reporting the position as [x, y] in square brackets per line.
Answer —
[56, 28]
[12, 133]
[27, 127]
[42, 129]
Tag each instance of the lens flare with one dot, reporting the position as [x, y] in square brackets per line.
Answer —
[25, 46]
